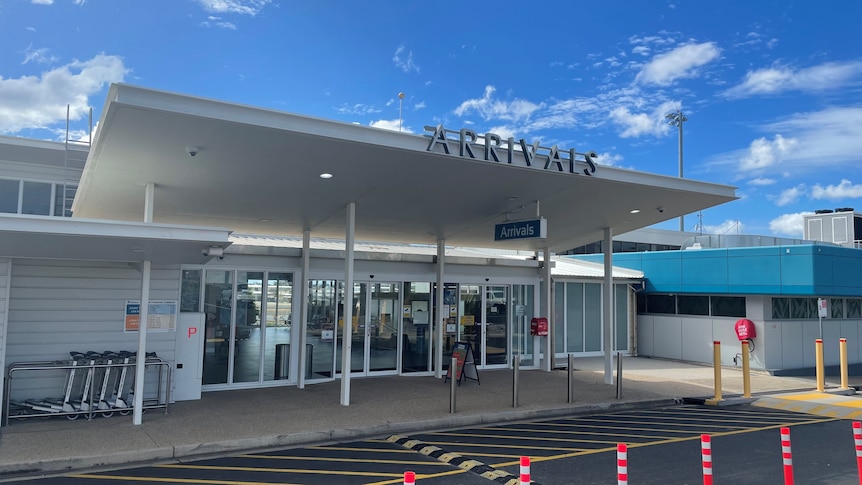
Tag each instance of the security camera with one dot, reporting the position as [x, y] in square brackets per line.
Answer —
[221, 258]
[192, 151]
[660, 209]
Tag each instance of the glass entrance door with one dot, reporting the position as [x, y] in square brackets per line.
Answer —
[484, 322]
[374, 329]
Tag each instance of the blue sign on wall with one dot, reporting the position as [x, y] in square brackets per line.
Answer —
[534, 229]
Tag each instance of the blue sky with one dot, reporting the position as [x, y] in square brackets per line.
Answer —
[772, 89]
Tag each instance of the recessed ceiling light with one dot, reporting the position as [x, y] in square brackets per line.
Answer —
[326, 175]
[263, 220]
[635, 211]
[138, 250]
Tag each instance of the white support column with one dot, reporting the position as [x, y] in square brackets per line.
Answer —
[303, 308]
[547, 310]
[438, 311]
[149, 198]
[141, 358]
[608, 305]
[347, 332]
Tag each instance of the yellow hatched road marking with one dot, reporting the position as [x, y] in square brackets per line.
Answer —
[343, 460]
[623, 421]
[173, 480]
[574, 432]
[277, 470]
[369, 450]
[678, 440]
[516, 437]
[400, 481]
[710, 420]
[468, 445]
[627, 428]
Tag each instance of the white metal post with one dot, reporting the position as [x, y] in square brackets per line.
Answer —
[347, 327]
[441, 318]
[303, 308]
[141, 357]
[547, 311]
[608, 305]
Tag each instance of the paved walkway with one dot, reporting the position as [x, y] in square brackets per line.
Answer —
[234, 421]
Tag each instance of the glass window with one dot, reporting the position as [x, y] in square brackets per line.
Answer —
[803, 308]
[59, 209]
[592, 317]
[621, 315]
[781, 308]
[322, 305]
[661, 304]
[693, 304]
[836, 308]
[418, 308]
[190, 290]
[641, 303]
[728, 306]
[854, 308]
[574, 317]
[9, 195]
[561, 319]
[37, 199]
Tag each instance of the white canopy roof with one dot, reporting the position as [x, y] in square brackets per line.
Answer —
[257, 171]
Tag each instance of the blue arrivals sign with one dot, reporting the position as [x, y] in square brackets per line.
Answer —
[534, 229]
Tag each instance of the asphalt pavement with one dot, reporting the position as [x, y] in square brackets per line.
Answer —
[235, 421]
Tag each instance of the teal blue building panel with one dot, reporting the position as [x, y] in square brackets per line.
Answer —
[799, 270]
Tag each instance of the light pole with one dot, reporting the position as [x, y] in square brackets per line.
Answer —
[400, 105]
[677, 119]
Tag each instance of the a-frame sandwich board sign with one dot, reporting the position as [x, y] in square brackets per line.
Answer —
[465, 363]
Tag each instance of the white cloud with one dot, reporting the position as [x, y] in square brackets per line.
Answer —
[38, 56]
[42, 2]
[637, 124]
[244, 7]
[763, 153]
[761, 181]
[609, 159]
[40, 101]
[488, 108]
[791, 195]
[779, 79]
[419, 105]
[213, 21]
[844, 190]
[358, 109]
[726, 227]
[391, 125]
[809, 142]
[405, 64]
[679, 63]
[789, 224]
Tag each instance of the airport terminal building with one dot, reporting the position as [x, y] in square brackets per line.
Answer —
[248, 247]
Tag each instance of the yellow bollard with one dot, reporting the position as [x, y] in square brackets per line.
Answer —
[716, 362]
[746, 371]
[818, 357]
[842, 345]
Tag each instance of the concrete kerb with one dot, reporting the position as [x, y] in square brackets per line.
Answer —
[268, 443]
[197, 451]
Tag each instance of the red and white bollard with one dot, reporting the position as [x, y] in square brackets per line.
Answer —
[409, 478]
[706, 457]
[786, 456]
[622, 464]
[525, 470]
[857, 440]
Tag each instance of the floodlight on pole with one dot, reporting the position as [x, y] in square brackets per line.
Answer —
[400, 105]
[677, 119]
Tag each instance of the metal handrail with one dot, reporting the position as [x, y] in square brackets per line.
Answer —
[91, 368]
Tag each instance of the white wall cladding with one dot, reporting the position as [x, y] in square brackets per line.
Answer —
[4, 300]
[779, 345]
[60, 306]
